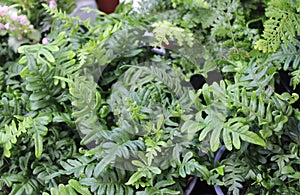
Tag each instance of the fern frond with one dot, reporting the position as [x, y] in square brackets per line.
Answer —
[87, 102]
[71, 21]
[268, 113]
[253, 106]
[288, 55]
[40, 84]
[295, 78]
[192, 3]
[190, 166]
[233, 177]
[73, 188]
[35, 127]
[126, 42]
[164, 30]
[137, 76]
[160, 188]
[282, 26]
[9, 136]
[39, 130]
[65, 66]
[11, 105]
[40, 72]
[82, 56]
[2, 81]
[232, 129]
[118, 152]
[46, 172]
[109, 182]
[20, 184]
[93, 53]
[224, 11]
[256, 78]
[79, 166]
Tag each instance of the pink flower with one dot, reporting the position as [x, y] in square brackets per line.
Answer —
[52, 4]
[45, 41]
[12, 28]
[14, 17]
[23, 20]
[30, 26]
[1, 26]
[6, 26]
[3, 10]
[20, 38]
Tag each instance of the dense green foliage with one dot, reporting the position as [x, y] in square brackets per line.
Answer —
[96, 111]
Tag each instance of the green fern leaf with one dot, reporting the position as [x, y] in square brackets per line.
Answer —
[87, 102]
[190, 166]
[72, 188]
[281, 27]
[255, 77]
[295, 78]
[20, 184]
[117, 150]
[234, 129]
[160, 188]
[233, 177]
[39, 130]
[288, 55]
[12, 132]
[110, 181]
[164, 30]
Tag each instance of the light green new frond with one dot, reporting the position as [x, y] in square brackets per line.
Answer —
[72, 188]
[92, 53]
[295, 78]
[34, 127]
[196, 4]
[83, 54]
[9, 136]
[160, 188]
[165, 31]
[282, 26]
